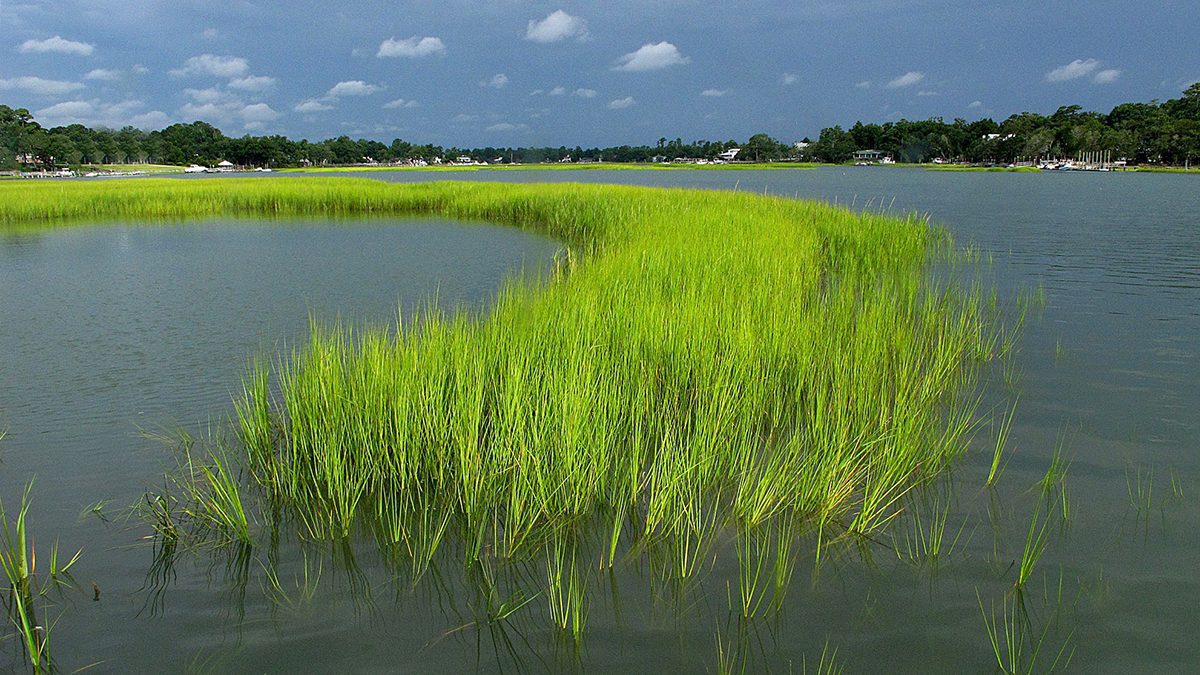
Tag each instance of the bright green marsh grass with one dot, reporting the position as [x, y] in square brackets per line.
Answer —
[597, 166]
[699, 366]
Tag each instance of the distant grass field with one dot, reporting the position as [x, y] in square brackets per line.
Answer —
[1165, 169]
[968, 169]
[148, 168]
[596, 166]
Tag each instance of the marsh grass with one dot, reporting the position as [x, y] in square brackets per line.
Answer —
[1139, 485]
[1140, 488]
[702, 368]
[598, 166]
[25, 596]
[929, 536]
[999, 449]
[1019, 644]
[1036, 539]
[827, 663]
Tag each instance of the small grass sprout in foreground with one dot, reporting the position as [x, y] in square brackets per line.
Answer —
[1052, 497]
[997, 466]
[827, 664]
[202, 495]
[1139, 484]
[1018, 645]
[26, 591]
[928, 537]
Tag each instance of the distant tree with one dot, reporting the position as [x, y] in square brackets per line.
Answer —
[1186, 107]
[1142, 132]
[833, 146]
[198, 142]
[763, 148]
[58, 150]
[867, 136]
[19, 132]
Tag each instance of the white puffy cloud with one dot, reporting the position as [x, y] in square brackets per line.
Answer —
[139, 69]
[652, 56]
[209, 95]
[103, 75]
[258, 112]
[353, 88]
[208, 112]
[40, 86]
[506, 126]
[213, 66]
[498, 81]
[220, 108]
[621, 103]
[788, 79]
[1106, 76]
[252, 83]
[312, 106]
[57, 45]
[412, 48]
[66, 110]
[865, 84]
[155, 119]
[584, 92]
[340, 90]
[96, 113]
[556, 27]
[1073, 70]
[558, 91]
[400, 103]
[906, 80]
[715, 93]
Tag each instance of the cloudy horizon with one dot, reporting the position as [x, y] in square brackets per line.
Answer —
[585, 73]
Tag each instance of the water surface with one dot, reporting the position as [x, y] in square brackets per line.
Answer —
[115, 329]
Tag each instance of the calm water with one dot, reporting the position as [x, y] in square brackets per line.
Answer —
[112, 330]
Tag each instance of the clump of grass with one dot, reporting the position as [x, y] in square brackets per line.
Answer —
[827, 664]
[1053, 484]
[1017, 644]
[566, 587]
[18, 560]
[765, 567]
[1140, 487]
[929, 537]
[1036, 539]
[204, 495]
[1053, 496]
[997, 466]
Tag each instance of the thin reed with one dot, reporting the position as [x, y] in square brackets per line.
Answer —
[24, 595]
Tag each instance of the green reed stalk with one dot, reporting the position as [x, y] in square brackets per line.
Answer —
[18, 561]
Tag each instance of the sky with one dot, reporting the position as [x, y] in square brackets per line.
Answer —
[604, 72]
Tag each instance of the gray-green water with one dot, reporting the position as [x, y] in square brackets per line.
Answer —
[113, 329]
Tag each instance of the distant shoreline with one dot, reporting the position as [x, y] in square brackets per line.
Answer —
[123, 171]
[763, 166]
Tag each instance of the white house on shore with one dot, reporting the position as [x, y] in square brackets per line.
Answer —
[873, 156]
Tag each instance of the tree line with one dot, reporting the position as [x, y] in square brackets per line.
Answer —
[1157, 132]
[1142, 133]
